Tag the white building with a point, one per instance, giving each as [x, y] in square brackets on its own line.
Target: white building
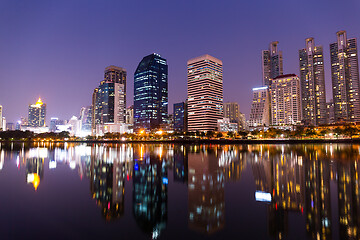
[260, 107]
[224, 125]
[285, 100]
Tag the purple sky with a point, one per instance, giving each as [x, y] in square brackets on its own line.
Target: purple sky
[58, 49]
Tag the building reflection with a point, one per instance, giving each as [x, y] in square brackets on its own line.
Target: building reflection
[348, 199]
[206, 199]
[107, 180]
[279, 180]
[34, 171]
[150, 189]
[318, 200]
[181, 164]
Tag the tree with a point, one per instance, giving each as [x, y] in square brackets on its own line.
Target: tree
[219, 135]
[209, 134]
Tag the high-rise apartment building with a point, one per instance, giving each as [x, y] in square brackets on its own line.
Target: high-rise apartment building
[260, 107]
[130, 115]
[285, 100]
[109, 99]
[37, 114]
[272, 63]
[205, 93]
[180, 116]
[345, 78]
[232, 112]
[312, 81]
[151, 92]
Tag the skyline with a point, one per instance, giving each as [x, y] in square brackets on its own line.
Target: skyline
[52, 45]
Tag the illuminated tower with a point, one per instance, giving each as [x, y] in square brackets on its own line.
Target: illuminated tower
[272, 63]
[37, 114]
[205, 93]
[312, 81]
[345, 78]
[151, 92]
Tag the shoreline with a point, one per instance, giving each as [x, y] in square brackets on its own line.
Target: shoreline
[199, 141]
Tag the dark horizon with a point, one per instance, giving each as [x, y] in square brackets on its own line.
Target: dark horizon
[59, 50]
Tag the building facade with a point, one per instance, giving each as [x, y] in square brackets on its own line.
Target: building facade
[272, 63]
[232, 112]
[205, 93]
[37, 114]
[260, 107]
[345, 78]
[109, 100]
[151, 92]
[285, 100]
[180, 117]
[312, 81]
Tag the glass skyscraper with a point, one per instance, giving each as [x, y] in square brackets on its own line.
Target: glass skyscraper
[151, 92]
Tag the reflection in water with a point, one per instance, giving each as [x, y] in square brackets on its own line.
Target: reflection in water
[206, 200]
[290, 180]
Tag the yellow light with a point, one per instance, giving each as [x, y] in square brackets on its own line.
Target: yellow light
[39, 103]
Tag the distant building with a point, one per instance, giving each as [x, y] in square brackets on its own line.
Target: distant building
[37, 114]
[130, 115]
[224, 125]
[85, 118]
[10, 126]
[312, 81]
[3, 121]
[272, 63]
[232, 112]
[151, 92]
[1, 125]
[180, 117]
[205, 93]
[285, 100]
[260, 107]
[345, 78]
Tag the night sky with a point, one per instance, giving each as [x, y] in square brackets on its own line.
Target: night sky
[58, 49]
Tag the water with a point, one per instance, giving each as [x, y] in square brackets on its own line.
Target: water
[167, 191]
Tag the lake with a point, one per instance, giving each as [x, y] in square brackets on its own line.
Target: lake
[174, 191]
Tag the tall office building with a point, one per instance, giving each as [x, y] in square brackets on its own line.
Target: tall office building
[151, 92]
[260, 107]
[1, 125]
[285, 100]
[205, 93]
[345, 78]
[312, 81]
[232, 112]
[180, 116]
[37, 114]
[109, 99]
[272, 63]
[116, 75]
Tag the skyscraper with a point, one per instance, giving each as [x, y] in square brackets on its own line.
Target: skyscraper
[116, 75]
[260, 107]
[272, 63]
[205, 93]
[151, 92]
[285, 100]
[345, 78]
[37, 114]
[109, 99]
[312, 81]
